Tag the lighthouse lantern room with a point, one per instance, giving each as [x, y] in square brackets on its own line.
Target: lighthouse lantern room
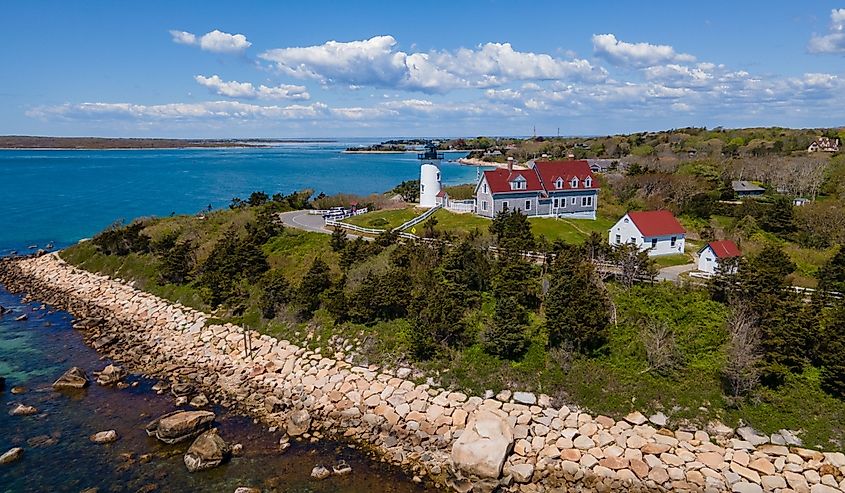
[430, 181]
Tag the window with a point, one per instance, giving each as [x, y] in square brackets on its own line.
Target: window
[504, 204]
[483, 205]
[574, 182]
[586, 201]
[527, 205]
[484, 188]
[555, 203]
[573, 200]
[422, 187]
[588, 182]
[654, 243]
[633, 240]
[626, 220]
[438, 176]
[559, 183]
[674, 239]
[618, 239]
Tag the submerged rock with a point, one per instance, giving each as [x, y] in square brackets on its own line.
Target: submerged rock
[320, 472]
[23, 410]
[298, 423]
[484, 445]
[207, 451]
[75, 378]
[111, 374]
[180, 425]
[104, 437]
[11, 455]
[18, 389]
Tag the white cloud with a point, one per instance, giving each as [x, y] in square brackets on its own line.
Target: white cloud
[503, 94]
[180, 111]
[636, 54]
[235, 89]
[834, 40]
[214, 41]
[377, 62]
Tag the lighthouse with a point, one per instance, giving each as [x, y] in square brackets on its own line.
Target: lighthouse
[430, 185]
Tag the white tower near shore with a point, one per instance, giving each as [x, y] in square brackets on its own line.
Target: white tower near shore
[430, 185]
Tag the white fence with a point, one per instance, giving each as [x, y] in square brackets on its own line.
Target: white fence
[422, 217]
[461, 206]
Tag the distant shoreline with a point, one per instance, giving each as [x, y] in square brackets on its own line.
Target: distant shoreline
[20, 142]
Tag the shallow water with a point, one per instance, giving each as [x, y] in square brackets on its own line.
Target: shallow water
[59, 456]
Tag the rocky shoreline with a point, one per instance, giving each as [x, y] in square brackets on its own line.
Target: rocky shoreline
[514, 441]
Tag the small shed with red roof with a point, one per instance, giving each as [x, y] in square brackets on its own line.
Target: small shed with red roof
[657, 232]
[715, 253]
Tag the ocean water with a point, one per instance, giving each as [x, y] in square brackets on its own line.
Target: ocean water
[61, 196]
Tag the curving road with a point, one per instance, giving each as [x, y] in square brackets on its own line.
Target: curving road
[303, 220]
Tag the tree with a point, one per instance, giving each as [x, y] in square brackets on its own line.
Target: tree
[265, 227]
[577, 307]
[832, 274]
[315, 281]
[176, 263]
[122, 240]
[633, 264]
[516, 277]
[275, 292]
[232, 259]
[409, 190]
[335, 300]
[506, 335]
[512, 231]
[741, 370]
[437, 321]
[381, 297]
[832, 357]
[257, 198]
[339, 239]
[467, 266]
[660, 348]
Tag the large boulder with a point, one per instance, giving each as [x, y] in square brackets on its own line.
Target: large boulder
[298, 422]
[11, 455]
[104, 437]
[207, 451]
[180, 425]
[484, 445]
[23, 410]
[75, 378]
[111, 375]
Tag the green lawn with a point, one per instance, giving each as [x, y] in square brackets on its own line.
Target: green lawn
[385, 218]
[672, 260]
[570, 230]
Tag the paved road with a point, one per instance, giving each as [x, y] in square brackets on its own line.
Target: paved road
[303, 220]
[672, 273]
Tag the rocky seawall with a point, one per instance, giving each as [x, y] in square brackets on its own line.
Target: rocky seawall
[515, 441]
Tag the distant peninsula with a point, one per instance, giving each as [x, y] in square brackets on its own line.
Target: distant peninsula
[37, 142]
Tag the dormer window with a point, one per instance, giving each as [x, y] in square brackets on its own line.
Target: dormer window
[518, 183]
[573, 182]
[559, 183]
[588, 182]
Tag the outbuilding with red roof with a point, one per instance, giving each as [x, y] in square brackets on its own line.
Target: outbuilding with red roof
[544, 188]
[715, 253]
[657, 232]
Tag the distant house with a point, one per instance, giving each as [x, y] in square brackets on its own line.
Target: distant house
[714, 253]
[546, 188]
[746, 189]
[824, 144]
[657, 232]
[800, 201]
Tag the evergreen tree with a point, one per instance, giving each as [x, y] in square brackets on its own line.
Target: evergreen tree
[437, 321]
[518, 278]
[339, 239]
[467, 266]
[381, 297]
[832, 356]
[832, 274]
[577, 307]
[265, 227]
[335, 300]
[231, 260]
[315, 281]
[275, 292]
[506, 335]
[512, 231]
[176, 263]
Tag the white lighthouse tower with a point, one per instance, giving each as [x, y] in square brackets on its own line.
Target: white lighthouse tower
[430, 185]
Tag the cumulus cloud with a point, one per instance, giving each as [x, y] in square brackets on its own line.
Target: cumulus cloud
[636, 54]
[377, 62]
[235, 89]
[834, 40]
[214, 41]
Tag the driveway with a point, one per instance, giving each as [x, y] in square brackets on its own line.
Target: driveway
[673, 273]
[310, 222]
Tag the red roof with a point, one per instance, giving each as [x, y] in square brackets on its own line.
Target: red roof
[441, 193]
[550, 171]
[499, 180]
[656, 223]
[725, 249]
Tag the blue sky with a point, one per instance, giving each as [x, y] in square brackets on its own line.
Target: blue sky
[321, 69]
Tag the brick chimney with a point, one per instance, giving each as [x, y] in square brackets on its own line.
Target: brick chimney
[510, 164]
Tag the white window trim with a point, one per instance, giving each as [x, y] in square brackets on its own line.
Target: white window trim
[528, 205]
[573, 201]
[559, 183]
[504, 204]
[485, 188]
[588, 182]
[573, 182]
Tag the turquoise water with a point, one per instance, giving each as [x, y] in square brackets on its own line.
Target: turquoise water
[61, 196]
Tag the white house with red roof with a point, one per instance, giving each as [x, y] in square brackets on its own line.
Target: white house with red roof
[714, 253]
[657, 232]
[546, 188]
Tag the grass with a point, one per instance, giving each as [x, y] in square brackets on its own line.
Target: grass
[672, 260]
[385, 218]
[570, 230]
